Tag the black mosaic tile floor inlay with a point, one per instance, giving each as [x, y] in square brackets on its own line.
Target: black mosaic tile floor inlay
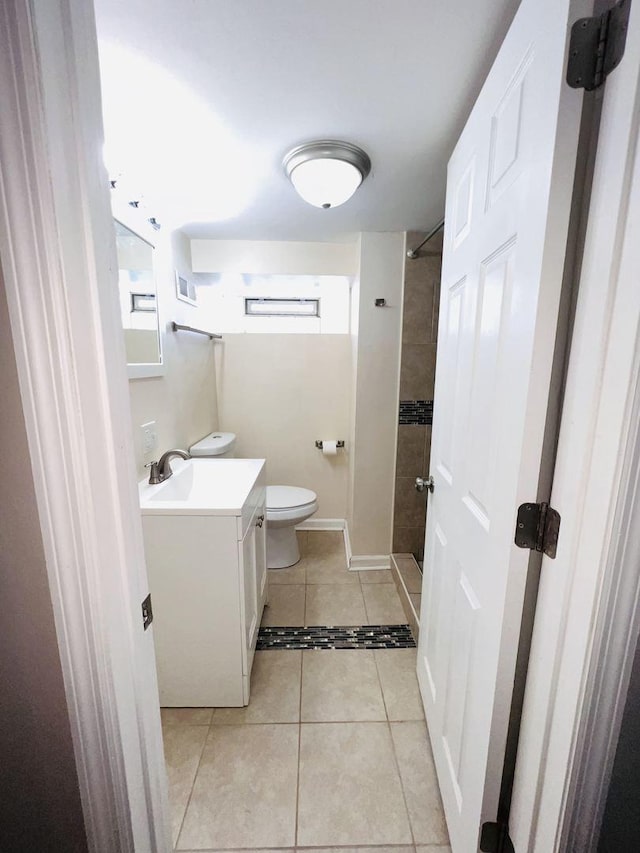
[350, 637]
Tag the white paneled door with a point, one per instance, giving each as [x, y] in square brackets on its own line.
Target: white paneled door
[509, 190]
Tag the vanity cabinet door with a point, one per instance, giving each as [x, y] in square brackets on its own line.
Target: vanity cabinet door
[253, 578]
[261, 560]
[249, 583]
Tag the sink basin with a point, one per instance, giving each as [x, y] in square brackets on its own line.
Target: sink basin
[201, 487]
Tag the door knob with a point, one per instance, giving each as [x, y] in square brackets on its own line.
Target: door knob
[422, 484]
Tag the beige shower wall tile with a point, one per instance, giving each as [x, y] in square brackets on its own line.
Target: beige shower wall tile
[422, 276]
[417, 371]
[410, 455]
[408, 540]
[410, 505]
[427, 449]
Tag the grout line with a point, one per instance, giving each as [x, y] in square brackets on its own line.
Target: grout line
[193, 783]
[304, 609]
[364, 604]
[316, 722]
[384, 699]
[295, 837]
[404, 795]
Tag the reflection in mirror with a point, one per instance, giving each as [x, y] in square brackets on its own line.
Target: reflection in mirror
[138, 298]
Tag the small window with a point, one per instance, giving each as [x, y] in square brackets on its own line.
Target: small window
[186, 290]
[143, 302]
[282, 307]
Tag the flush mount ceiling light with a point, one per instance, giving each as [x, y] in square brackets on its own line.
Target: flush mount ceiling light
[327, 173]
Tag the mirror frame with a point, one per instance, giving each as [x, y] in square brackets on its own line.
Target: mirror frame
[135, 220]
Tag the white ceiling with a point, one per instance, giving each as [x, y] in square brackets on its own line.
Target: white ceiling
[202, 99]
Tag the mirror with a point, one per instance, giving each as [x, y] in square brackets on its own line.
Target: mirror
[138, 303]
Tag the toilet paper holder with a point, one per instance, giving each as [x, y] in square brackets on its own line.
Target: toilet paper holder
[338, 444]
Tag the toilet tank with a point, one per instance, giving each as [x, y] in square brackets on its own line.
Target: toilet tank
[220, 444]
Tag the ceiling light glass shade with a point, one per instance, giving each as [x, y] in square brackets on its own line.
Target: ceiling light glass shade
[326, 174]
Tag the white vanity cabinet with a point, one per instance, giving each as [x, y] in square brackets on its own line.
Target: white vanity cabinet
[206, 560]
[252, 554]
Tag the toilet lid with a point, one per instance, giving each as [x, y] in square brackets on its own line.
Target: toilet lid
[288, 497]
[214, 444]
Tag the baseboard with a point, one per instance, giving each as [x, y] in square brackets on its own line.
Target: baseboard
[322, 524]
[347, 543]
[370, 562]
[356, 564]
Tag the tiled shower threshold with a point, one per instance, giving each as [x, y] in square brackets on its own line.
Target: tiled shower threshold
[408, 580]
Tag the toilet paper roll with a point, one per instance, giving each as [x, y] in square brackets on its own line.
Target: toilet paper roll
[329, 448]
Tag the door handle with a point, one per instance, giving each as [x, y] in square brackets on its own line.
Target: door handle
[260, 521]
[422, 484]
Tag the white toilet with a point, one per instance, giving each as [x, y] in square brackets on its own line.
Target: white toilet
[219, 444]
[287, 506]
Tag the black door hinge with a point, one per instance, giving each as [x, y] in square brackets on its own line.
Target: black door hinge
[537, 528]
[596, 46]
[147, 612]
[494, 838]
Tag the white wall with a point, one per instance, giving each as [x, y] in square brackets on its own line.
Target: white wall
[354, 319]
[40, 806]
[375, 409]
[183, 402]
[279, 393]
[274, 257]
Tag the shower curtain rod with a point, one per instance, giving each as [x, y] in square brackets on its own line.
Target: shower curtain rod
[413, 253]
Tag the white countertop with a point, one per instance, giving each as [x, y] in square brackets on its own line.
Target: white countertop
[202, 487]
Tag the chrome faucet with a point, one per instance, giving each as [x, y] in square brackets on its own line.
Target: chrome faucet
[161, 470]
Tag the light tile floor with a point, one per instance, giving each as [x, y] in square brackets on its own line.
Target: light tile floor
[332, 753]
[321, 591]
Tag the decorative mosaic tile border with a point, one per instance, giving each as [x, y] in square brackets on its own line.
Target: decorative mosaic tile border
[321, 637]
[416, 412]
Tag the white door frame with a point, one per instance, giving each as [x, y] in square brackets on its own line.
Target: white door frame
[595, 490]
[54, 215]
[58, 260]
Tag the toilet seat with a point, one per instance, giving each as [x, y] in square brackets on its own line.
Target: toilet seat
[287, 505]
[286, 498]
